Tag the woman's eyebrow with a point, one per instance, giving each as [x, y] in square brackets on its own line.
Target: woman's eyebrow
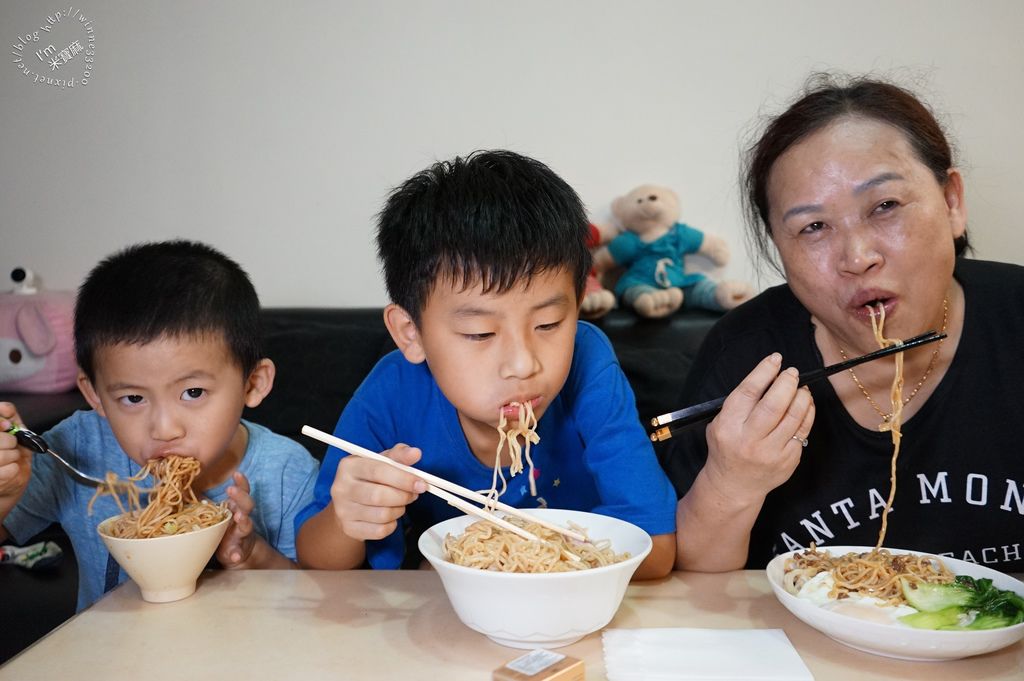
[881, 178]
[800, 210]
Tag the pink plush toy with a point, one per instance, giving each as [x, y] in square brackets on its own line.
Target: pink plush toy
[36, 338]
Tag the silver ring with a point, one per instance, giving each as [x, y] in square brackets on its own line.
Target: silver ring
[801, 440]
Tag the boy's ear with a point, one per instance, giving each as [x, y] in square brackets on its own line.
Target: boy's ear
[89, 393]
[260, 382]
[404, 332]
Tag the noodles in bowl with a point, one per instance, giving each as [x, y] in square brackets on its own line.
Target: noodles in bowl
[539, 610]
[165, 545]
[486, 546]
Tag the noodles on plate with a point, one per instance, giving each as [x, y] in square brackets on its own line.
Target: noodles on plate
[873, 573]
[486, 546]
[173, 507]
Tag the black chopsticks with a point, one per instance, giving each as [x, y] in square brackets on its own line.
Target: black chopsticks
[684, 418]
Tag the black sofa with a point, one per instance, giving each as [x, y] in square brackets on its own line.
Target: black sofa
[322, 355]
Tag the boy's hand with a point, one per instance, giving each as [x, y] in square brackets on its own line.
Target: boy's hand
[15, 461]
[369, 497]
[237, 545]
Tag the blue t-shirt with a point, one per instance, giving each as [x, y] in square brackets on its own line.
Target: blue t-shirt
[281, 475]
[656, 263]
[593, 454]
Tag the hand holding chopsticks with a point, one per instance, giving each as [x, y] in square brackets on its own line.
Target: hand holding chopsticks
[684, 418]
[447, 490]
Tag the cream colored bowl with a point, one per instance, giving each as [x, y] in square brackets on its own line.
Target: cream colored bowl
[539, 610]
[165, 568]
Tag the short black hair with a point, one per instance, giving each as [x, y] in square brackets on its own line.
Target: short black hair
[493, 217]
[167, 289]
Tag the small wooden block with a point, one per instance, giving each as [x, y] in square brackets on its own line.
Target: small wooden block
[541, 665]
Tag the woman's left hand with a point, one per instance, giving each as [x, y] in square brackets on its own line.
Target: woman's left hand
[755, 444]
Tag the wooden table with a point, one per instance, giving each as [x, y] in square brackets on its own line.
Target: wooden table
[398, 625]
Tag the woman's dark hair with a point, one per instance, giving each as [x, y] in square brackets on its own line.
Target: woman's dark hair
[167, 289]
[824, 100]
[493, 217]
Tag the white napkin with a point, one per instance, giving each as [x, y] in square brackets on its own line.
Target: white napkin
[707, 654]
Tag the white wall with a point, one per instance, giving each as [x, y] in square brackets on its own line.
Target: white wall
[274, 129]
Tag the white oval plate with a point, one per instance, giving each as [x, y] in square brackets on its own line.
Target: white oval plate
[896, 640]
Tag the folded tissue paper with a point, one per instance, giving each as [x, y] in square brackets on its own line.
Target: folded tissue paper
[664, 654]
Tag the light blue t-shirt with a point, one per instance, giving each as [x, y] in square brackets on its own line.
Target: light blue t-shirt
[593, 453]
[280, 471]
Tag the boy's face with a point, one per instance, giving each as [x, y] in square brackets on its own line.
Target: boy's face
[487, 350]
[177, 396]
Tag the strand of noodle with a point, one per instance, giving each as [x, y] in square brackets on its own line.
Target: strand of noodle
[113, 486]
[895, 419]
[493, 494]
[528, 429]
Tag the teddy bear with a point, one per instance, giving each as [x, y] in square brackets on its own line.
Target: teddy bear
[597, 300]
[651, 249]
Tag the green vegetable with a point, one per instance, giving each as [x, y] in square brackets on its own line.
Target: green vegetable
[966, 603]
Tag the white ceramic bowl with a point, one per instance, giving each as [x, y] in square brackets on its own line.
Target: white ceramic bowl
[539, 610]
[165, 568]
[897, 640]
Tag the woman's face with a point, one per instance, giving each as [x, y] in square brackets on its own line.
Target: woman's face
[858, 220]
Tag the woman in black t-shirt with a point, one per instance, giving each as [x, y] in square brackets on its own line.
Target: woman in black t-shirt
[854, 189]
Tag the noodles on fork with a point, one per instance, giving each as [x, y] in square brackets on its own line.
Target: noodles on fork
[173, 507]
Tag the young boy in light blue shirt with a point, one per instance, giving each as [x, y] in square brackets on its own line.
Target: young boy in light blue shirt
[167, 338]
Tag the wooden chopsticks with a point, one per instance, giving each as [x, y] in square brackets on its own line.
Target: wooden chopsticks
[684, 418]
[447, 490]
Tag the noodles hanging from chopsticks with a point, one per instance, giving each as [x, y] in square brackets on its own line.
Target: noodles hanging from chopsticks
[895, 420]
[525, 427]
[874, 573]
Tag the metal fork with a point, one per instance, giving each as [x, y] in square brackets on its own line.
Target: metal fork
[38, 445]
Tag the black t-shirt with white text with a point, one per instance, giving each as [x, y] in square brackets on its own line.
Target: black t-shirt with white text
[960, 472]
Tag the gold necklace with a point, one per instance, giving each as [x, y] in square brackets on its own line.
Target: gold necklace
[927, 371]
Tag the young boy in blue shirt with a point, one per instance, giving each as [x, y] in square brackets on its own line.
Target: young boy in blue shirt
[485, 261]
[167, 338]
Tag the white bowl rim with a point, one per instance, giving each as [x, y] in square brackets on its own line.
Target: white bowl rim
[881, 628]
[534, 576]
[103, 523]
